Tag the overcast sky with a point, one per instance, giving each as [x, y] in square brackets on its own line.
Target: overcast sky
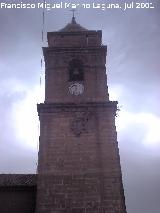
[133, 70]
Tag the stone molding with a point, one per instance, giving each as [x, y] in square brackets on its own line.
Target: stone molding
[72, 107]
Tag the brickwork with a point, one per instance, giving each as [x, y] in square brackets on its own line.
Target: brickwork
[84, 167]
[76, 39]
[79, 166]
[57, 74]
[91, 192]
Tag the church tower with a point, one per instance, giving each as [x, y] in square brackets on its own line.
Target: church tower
[79, 167]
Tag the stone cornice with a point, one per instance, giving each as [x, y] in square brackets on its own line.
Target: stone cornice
[74, 49]
[73, 107]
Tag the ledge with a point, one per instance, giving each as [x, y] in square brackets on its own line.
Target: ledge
[59, 107]
[78, 48]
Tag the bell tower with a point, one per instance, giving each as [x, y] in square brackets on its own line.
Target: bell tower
[79, 166]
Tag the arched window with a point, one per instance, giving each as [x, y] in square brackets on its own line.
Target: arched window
[76, 70]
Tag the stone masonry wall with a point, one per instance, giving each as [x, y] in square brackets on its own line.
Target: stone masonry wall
[57, 74]
[79, 168]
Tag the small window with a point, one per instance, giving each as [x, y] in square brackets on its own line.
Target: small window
[76, 70]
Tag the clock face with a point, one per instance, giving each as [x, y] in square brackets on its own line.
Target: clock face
[76, 88]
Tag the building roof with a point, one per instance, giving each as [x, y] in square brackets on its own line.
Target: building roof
[18, 180]
[73, 27]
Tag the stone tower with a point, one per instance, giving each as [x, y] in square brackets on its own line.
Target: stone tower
[79, 166]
